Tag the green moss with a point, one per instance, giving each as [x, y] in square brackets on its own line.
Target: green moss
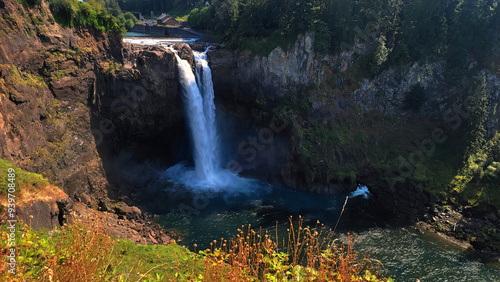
[59, 74]
[52, 157]
[33, 81]
[74, 55]
[111, 67]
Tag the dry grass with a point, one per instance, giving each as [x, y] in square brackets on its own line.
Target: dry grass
[47, 193]
[76, 253]
[305, 254]
[70, 254]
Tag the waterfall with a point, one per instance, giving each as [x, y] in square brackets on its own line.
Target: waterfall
[198, 97]
[204, 78]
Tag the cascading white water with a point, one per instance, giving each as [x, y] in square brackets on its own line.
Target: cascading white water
[198, 95]
[204, 78]
[200, 115]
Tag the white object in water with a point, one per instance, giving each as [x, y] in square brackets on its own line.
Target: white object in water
[361, 191]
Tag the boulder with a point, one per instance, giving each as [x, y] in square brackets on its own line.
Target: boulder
[184, 52]
[131, 212]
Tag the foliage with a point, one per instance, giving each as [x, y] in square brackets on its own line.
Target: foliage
[30, 3]
[397, 32]
[128, 19]
[305, 254]
[77, 253]
[25, 78]
[201, 17]
[72, 13]
[477, 181]
[70, 254]
[476, 152]
[110, 67]
[173, 7]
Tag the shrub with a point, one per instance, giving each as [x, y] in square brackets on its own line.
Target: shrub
[129, 24]
[77, 253]
[201, 17]
[71, 254]
[71, 13]
[30, 3]
[64, 11]
[305, 254]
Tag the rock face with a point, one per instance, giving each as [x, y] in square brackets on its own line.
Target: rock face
[280, 70]
[46, 74]
[70, 97]
[136, 229]
[349, 119]
[138, 101]
[493, 93]
[386, 93]
[46, 213]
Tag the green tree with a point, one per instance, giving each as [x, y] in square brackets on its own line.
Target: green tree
[476, 153]
[129, 24]
[64, 11]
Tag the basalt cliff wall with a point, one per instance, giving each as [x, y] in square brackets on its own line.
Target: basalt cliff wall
[345, 126]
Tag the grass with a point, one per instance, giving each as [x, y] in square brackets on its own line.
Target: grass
[70, 254]
[180, 14]
[77, 253]
[26, 187]
[152, 262]
[306, 254]
[26, 181]
[110, 67]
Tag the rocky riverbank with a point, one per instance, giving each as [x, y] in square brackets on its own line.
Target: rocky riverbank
[467, 227]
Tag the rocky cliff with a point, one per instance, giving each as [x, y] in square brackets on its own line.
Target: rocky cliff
[69, 97]
[46, 74]
[345, 125]
[66, 92]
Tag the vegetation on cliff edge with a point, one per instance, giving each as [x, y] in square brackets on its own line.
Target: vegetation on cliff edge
[22, 179]
[73, 13]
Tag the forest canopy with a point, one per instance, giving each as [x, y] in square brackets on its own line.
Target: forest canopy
[398, 31]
